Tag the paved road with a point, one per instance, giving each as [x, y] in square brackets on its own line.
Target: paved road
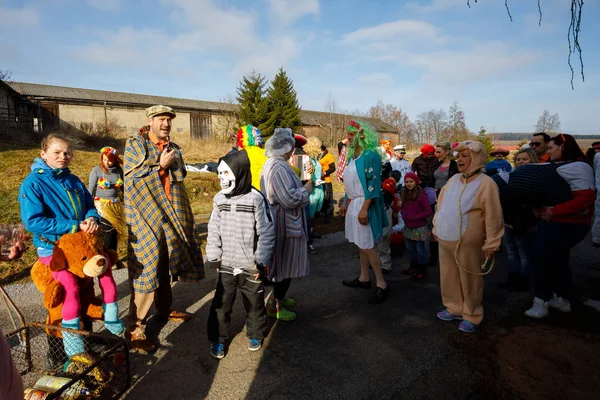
[340, 347]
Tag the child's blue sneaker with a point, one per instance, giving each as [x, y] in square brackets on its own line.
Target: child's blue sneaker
[217, 350]
[447, 316]
[255, 344]
[466, 326]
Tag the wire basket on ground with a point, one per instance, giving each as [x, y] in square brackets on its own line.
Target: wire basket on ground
[101, 372]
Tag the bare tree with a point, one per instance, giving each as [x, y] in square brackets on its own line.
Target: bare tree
[336, 121]
[430, 126]
[228, 121]
[549, 123]
[394, 116]
[456, 129]
[5, 74]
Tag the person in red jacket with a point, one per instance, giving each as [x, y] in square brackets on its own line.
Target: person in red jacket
[562, 227]
[415, 210]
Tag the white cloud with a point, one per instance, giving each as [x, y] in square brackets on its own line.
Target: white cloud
[376, 79]
[105, 5]
[436, 5]
[286, 12]
[462, 67]
[395, 30]
[19, 17]
[207, 27]
[129, 47]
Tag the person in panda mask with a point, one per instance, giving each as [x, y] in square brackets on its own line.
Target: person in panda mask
[240, 243]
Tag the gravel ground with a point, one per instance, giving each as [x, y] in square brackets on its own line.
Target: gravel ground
[340, 347]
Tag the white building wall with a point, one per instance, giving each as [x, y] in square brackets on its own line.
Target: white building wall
[121, 121]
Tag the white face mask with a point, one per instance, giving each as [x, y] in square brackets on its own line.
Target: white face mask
[226, 178]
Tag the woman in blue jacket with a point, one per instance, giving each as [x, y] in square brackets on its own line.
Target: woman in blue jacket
[365, 214]
[54, 201]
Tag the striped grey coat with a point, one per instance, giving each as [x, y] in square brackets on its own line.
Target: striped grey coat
[241, 231]
[288, 200]
[152, 219]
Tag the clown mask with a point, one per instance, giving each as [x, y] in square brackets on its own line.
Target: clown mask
[226, 177]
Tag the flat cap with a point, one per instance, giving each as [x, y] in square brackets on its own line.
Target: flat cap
[400, 147]
[156, 110]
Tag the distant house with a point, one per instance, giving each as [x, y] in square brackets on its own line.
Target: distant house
[40, 108]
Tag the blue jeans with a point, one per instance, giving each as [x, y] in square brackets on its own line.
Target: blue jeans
[554, 241]
[419, 251]
[519, 251]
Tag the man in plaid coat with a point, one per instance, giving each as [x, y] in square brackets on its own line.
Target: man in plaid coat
[162, 241]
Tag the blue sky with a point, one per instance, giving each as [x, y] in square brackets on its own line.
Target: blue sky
[418, 55]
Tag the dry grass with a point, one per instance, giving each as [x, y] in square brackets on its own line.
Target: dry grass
[202, 150]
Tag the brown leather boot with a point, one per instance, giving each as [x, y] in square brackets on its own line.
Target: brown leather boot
[139, 342]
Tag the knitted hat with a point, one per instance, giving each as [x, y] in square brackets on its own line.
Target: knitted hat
[389, 185]
[427, 148]
[413, 176]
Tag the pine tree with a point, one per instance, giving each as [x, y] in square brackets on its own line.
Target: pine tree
[252, 100]
[487, 141]
[282, 106]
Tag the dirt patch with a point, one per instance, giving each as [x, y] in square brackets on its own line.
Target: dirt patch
[542, 362]
[332, 225]
[556, 358]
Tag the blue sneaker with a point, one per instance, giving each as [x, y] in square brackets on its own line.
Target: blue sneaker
[447, 316]
[255, 344]
[217, 350]
[466, 326]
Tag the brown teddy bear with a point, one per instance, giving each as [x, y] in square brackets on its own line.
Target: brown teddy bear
[67, 283]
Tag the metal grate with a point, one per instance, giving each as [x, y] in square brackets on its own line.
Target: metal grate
[102, 372]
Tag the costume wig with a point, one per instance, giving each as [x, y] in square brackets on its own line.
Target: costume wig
[313, 147]
[249, 138]
[113, 156]
[365, 139]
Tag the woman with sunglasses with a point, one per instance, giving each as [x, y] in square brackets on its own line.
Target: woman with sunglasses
[562, 227]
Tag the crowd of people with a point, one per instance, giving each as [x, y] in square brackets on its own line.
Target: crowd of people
[459, 209]
[449, 206]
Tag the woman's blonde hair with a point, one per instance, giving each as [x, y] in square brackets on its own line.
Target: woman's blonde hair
[447, 147]
[530, 152]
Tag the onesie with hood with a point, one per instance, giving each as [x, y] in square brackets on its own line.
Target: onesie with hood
[469, 217]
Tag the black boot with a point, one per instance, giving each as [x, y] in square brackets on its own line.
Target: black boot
[513, 281]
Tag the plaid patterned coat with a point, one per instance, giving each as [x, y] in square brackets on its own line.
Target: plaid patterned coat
[152, 218]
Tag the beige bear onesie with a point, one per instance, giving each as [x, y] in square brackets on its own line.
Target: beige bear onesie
[482, 229]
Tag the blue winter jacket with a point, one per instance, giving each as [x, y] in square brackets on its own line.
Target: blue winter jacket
[53, 202]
